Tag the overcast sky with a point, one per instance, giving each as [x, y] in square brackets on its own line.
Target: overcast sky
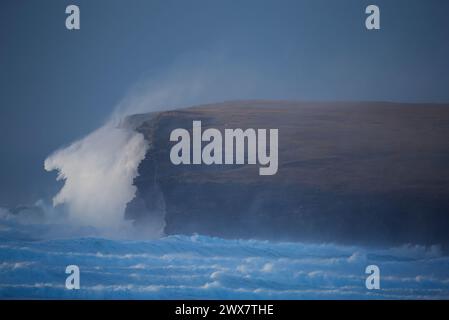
[57, 85]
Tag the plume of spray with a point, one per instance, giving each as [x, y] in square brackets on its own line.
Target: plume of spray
[98, 171]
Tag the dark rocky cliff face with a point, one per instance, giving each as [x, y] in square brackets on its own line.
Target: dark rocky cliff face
[359, 173]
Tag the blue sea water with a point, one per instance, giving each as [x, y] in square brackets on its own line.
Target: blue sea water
[200, 267]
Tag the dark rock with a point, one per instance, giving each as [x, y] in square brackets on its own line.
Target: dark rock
[365, 173]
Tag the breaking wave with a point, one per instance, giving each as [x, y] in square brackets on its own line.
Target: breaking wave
[98, 173]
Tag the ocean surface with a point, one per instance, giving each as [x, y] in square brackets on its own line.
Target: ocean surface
[200, 267]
